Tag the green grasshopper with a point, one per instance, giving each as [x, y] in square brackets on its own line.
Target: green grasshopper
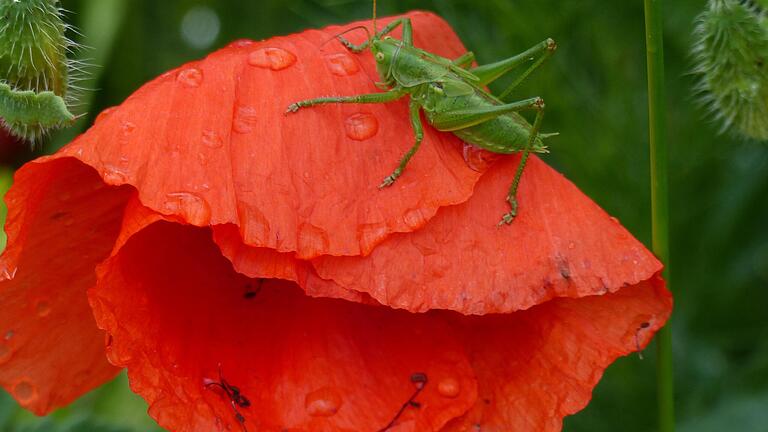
[452, 96]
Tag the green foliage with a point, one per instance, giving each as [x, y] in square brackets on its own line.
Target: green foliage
[731, 54]
[595, 88]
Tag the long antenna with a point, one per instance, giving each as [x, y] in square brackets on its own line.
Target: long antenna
[375, 30]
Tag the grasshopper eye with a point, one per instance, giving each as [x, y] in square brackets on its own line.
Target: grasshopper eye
[379, 56]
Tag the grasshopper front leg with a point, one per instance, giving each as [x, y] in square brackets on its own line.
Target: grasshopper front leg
[384, 97]
[418, 131]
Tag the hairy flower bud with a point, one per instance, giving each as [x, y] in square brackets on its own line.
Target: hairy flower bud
[731, 52]
[34, 69]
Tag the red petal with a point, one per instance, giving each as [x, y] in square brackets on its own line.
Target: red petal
[62, 221]
[537, 366]
[176, 310]
[561, 244]
[210, 142]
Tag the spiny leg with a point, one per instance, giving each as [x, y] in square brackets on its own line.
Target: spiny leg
[360, 99]
[490, 72]
[512, 195]
[468, 117]
[407, 35]
[418, 132]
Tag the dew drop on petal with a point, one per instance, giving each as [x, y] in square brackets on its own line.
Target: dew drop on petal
[202, 159]
[324, 402]
[9, 335]
[240, 43]
[104, 114]
[191, 77]
[414, 218]
[118, 357]
[42, 308]
[114, 175]
[369, 235]
[271, 58]
[211, 139]
[313, 240]
[7, 274]
[192, 207]
[245, 120]
[342, 64]
[24, 391]
[255, 224]
[478, 159]
[127, 128]
[5, 353]
[361, 126]
[449, 387]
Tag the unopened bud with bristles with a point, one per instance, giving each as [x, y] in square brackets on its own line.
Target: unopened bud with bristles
[731, 55]
[34, 70]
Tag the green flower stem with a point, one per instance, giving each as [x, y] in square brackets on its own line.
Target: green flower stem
[659, 199]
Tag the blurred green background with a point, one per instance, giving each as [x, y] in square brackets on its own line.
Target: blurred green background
[595, 90]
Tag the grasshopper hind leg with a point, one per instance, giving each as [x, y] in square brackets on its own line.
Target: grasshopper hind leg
[512, 195]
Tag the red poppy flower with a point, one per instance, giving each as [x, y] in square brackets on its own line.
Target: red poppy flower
[249, 274]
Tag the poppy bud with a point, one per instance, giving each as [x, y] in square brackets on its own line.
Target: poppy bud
[730, 54]
[36, 72]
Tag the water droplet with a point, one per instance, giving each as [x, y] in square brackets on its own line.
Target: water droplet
[5, 353]
[202, 159]
[369, 235]
[313, 241]
[104, 114]
[126, 128]
[246, 118]
[211, 139]
[191, 77]
[342, 64]
[25, 392]
[478, 159]
[114, 175]
[414, 218]
[117, 357]
[8, 274]
[449, 387]
[615, 220]
[361, 126]
[42, 308]
[271, 58]
[255, 224]
[9, 335]
[240, 43]
[324, 402]
[192, 207]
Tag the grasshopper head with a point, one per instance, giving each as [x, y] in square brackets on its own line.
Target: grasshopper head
[385, 51]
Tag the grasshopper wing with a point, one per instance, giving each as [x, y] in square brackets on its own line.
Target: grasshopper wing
[454, 87]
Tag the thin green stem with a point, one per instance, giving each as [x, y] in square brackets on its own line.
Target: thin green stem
[659, 199]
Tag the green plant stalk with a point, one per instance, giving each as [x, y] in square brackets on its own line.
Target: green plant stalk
[659, 199]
